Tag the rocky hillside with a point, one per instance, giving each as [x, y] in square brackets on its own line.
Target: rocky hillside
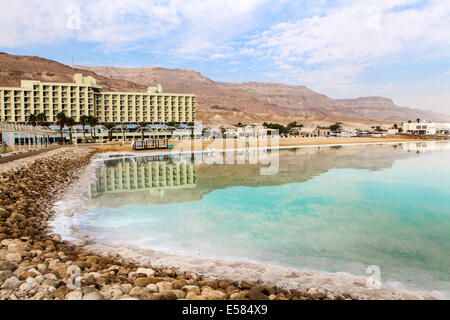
[15, 68]
[259, 98]
[219, 102]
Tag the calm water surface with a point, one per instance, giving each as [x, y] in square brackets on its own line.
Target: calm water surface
[328, 209]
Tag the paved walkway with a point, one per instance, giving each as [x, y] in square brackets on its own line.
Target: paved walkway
[18, 156]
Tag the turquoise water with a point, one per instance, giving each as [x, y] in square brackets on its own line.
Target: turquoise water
[328, 209]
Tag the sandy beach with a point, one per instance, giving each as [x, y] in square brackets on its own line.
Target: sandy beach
[222, 144]
[36, 263]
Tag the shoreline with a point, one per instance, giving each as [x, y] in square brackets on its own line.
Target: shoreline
[35, 264]
[146, 153]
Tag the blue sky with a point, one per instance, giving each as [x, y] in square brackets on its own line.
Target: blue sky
[343, 48]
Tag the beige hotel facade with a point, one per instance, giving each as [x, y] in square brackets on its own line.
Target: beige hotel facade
[85, 97]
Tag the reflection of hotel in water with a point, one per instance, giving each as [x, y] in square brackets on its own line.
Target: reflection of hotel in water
[426, 146]
[126, 176]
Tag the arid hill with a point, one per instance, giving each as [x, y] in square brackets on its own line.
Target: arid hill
[15, 68]
[259, 98]
[219, 102]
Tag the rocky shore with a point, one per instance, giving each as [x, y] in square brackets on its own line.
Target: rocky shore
[34, 264]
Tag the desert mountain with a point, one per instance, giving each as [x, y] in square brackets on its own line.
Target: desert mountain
[14, 68]
[219, 102]
[260, 98]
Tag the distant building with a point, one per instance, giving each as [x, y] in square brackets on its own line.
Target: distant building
[347, 133]
[85, 97]
[426, 128]
[392, 132]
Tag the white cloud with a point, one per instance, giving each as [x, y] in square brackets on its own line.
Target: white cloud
[24, 22]
[184, 26]
[359, 31]
[331, 51]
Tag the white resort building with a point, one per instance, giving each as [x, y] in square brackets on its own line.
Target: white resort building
[426, 128]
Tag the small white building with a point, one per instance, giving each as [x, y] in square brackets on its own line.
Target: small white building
[419, 128]
[392, 132]
[427, 128]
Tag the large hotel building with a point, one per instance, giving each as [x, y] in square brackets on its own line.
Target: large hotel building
[84, 96]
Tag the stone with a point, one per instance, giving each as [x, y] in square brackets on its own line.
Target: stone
[5, 274]
[126, 287]
[128, 298]
[51, 276]
[14, 257]
[3, 213]
[179, 293]
[42, 268]
[166, 296]
[25, 275]
[192, 288]
[11, 283]
[27, 289]
[178, 283]
[256, 293]
[224, 284]
[152, 288]
[148, 272]
[192, 276]
[95, 295]
[211, 283]
[316, 294]
[239, 295]
[143, 282]
[191, 296]
[61, 270]
[6, 242]
[32, 281]
[61, 292]
[114, 268]
[164, 286]
[138, 291]
[211, 294]
[114, 294]
[18, 247]
[94, 275]
[53, 264]
[8, 265]
[40, 278]
[35, 271]
[231, 290]
[88, 289]
[74, 295]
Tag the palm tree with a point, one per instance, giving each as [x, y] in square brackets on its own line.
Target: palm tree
[109, 126]
[32, 119]
[93, 121]
[42, 121]
[61, 121]
[37, 119]
[84, 120]
[70, 122]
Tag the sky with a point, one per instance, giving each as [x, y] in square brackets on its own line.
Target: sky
[342, 48]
